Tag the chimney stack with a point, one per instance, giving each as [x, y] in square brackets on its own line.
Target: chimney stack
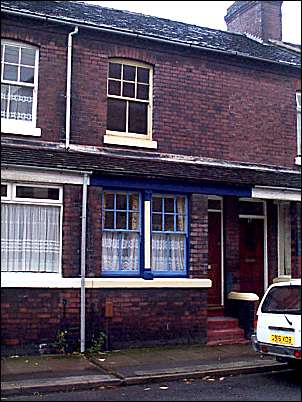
[262, 19]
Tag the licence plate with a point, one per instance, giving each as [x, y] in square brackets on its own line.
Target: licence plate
[282, 339]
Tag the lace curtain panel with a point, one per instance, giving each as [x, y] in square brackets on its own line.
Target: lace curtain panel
[168, 252]
[120, 251]
[30, 238]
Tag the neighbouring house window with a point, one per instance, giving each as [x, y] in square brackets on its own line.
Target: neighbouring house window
[298, 104]
[19, 83]
[129, 99]
[169, 234]
[121, 233]
[284, 239]
[30, 228]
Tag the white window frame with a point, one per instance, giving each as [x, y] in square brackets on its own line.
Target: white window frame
[128, 138]
[12, 199]
[298, 106]
[285, 206]
[12, 126]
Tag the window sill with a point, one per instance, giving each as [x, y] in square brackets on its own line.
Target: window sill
[14, 127]
[298, 160]
[129, 141]
[124, 283]
[37, 280]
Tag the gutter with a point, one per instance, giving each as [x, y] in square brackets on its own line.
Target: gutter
[68, 87]
[141, 36]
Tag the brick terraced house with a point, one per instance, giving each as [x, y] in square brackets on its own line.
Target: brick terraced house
[150, 173]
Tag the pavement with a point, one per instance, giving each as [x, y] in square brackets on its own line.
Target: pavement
[26, 375]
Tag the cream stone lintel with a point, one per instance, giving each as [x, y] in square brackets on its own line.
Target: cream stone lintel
[243, 296]
[142, 283]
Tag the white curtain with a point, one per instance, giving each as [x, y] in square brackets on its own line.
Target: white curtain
[30, 238]
[168, 252]
[120, 251]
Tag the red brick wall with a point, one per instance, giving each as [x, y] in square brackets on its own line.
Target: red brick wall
[198, 236]
[204, 105]
[72, 229]
[140, 317]
[272, 240]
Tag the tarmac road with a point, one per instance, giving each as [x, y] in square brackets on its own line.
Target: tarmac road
[273, 386]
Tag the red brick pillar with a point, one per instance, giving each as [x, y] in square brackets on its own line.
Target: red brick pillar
[272, 240]
[94, 232]
[231, 243]
[72, 209]
[198, 236]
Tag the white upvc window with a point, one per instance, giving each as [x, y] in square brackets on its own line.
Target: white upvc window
[284, 239]
[298, 105]
[31, 228]
[19, 87]
[129, 103]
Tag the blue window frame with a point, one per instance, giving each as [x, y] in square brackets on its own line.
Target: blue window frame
[121, 233]
[169, 235]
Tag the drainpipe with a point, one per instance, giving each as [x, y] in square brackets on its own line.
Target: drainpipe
[68, 87]
[83, 259]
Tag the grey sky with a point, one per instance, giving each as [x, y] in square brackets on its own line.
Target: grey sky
[207, 13]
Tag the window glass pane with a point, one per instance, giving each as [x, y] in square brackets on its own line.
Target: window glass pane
[3, 190]
[250, 208]
[109, 220]
[133, 221]
[11, 54]
[115, 70]
[142, 92]
[37, 192]
[180, 223]
[214, 204]
[114, 87]
[10, 72]
[121, 201]
[129, 73]
[138, 118]
[143, 75]
[128, 90]
[121, 220]
[27, 74]
[116, 119]
[169, 204]
[4, 100]
[283, 300]
[169, 223]
[28, 56]
[109, 200]
[134, 202]
[180, 205]
[157, 222]
[156, 204]
[30, 238]
[20, 103]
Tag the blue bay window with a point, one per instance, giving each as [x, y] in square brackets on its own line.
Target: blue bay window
[138, 236]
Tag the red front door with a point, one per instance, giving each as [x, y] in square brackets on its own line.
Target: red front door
[252, 255]
[214, 257]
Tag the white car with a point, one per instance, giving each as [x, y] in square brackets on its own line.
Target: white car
[278, 331]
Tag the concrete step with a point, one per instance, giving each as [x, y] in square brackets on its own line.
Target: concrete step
[216, 323]
[228, 342]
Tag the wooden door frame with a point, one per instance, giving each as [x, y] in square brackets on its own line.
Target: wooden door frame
[217, 198]
[265, 251]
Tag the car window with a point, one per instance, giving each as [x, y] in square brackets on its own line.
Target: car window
[283, 299]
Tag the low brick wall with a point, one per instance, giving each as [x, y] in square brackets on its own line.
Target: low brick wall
[141, 317]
